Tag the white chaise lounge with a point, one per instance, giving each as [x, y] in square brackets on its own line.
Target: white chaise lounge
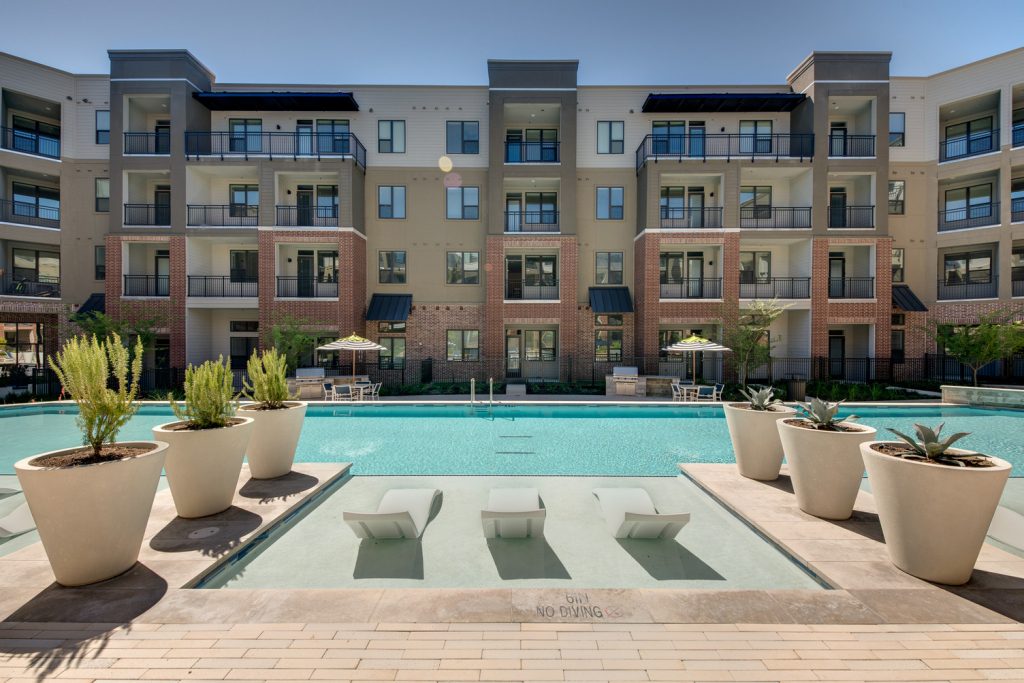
[16, 522]
[630, 513]
[513, 513]
[402, 513]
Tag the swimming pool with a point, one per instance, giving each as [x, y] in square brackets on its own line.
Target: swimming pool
[543, 439]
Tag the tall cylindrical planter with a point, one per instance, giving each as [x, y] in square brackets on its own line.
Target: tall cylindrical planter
[934, 517]
[755, 439]
[92, 518]
[826, 466]
[275, 437]
[203, 465]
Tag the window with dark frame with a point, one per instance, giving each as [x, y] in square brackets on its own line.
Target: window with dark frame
[897, 129]
[245, 325]
[100, 262]
[897, 197]
[608, 320]
[245, 200]
[897, 264]
[462, 203]
[1017, 264]
[391, 137]
[102, 195]
[608, 345]
[967, 268]
[540, 345]
[391, 267]
[241, 350]
[102, 126]
[896, 345]
[610, 203]
[244, 265]
[463, 345]
[391, 201]
[462, 268]
[392, 357]
[898, 319]
[756, 202]
[611, 137]
[608, 268]
[462, 137]
[35, 265]
[385, 326]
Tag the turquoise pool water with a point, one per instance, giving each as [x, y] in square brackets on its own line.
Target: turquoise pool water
[600, 439]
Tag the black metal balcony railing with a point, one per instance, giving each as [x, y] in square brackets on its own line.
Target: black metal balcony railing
[29, 214]
[307, 216]
[776, 288]
[531, 221]
[775, 216]
[851, 288]
[851, 145]
[292, 287]
[147, 214]
[231, 215]
[41, 286]
[1018, 135]
[1018, 287]
[147, 285]
[147, 143]
[222, 285]
[851, 216]
[963, 146]
[1017, 210]
[975, 216]
[695, 218]
[517, 290]
[949, 289]
[692, 288]
[277, 144]
[29, 143]
[532, 152]
[725, 146]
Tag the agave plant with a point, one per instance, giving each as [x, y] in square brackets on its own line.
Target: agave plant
[930, 447]
[760, 399]
[823, 414]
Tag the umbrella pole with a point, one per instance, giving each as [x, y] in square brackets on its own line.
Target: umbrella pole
[353, 366]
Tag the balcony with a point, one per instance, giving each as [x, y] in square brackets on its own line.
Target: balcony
[293, 287]
[776, 288]
[685, 218]
[224, 144]
[1017, 210]
[516, 290]
[963, 146]
[147, 214]
[222, 286]
[147, 285]
[976, 216]
[851, 288]
[28, 142]
[24, 213]
[851, 216]
[307, 216]
[725, 146]
[539, 152]
[41, 286]
[768, 217]
[150, 144]
[952, 291]
[693, 288]
[531, 221]
[226, 215]
[840, 146]
[1018, 135]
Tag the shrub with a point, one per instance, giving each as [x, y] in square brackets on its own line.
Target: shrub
[210, 399]
[269, 376]
[84, 367]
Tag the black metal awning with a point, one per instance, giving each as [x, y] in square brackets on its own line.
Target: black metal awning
[904, 299]
[277, 101]
[96, 303]
[721, 102]
[610, 300]
[389, 307]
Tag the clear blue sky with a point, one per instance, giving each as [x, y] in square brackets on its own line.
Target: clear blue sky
[448, 41]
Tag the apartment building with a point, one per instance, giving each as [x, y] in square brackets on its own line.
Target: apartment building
[532, 227]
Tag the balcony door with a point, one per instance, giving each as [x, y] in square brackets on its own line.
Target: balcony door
[162, 205]
[836, 275]
[304, 137]
[513, 213]
[695, 204]
[836, 353]
[162, 137]
[304, 270]
[513, 277]
[304, 205]
[837, 207]
[162, 268]
[837, 139]
[513, 354]
[514, 146]
[695, 273]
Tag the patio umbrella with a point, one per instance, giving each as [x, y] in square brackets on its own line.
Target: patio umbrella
[352, 343]
[693, 343]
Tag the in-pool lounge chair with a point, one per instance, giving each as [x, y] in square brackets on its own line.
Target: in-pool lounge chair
[402, 513]
[513, 513]
[16, 522]
[630, 513]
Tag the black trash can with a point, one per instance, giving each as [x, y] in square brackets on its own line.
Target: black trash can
[796, 388]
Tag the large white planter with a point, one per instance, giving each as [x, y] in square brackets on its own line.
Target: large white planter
[755, 439]
[92, 518]
[934, 517]
[203, 465]
[826, 467]
[275, 436]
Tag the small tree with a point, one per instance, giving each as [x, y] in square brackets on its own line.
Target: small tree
[210, 399]
[750, 340]
[101, 325]
[84, 367]
[268, 373]
[994, 337]
[291, 338]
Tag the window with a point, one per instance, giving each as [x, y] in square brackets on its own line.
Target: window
[100, 262]
[608, 320]
[463, 137]
[391, 201]
[755, 202]
[608, 345]
[539, 344]
[245, 265]
[23, 343]
[385, 326]
[332, 136]
[755, 267]
[609, 268]
[245, 201]
[610, 137]
[897, 264]
[102, 126]
[391, 267]
[102, 195]
[964, 203]
[897, 193]
[898, 319]
[540, 271]
[391, 137]
[245, 135]
[463, 345]
[241, 351]
[463, 268]
[968, 268]
[531, 145]
[755, 137]
[34, 137]
[463, 203]
[36, 266]
[609, 203]
[245, 325]
[326, 201]
[896, 345]
[1017, 264]
[35, 202]
[897, 129]
[392, 357]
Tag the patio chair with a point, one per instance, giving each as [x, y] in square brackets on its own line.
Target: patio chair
[402, 513]
[630, 513]
[375, 391]
[677, 391]
[343, 392]
[16, 522]
[513, 513]
[705, 393]
[329, 392]
[719, 388]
